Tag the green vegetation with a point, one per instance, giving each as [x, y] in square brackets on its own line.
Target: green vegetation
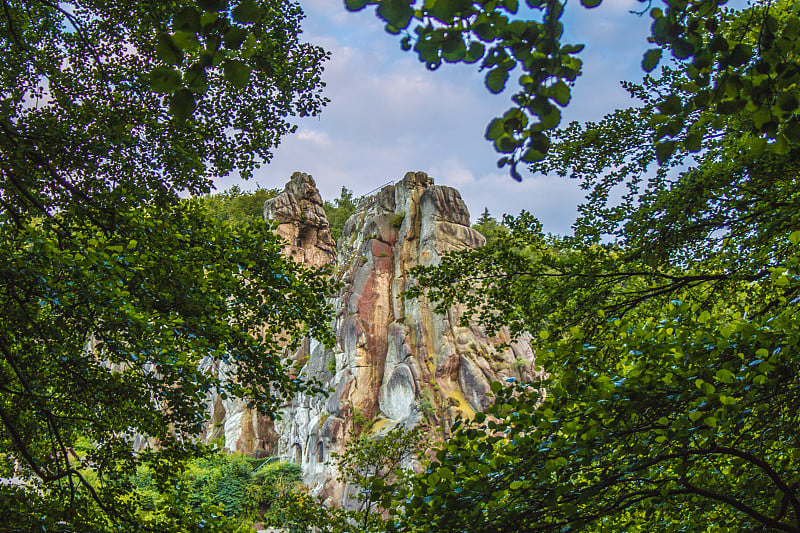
[731, 64]
[489, 227]
[224, 483]
[339, 211]
[397, 220]
[362, 424]
[375, 469]
[668, 326]
[114, 290]
[235, 206]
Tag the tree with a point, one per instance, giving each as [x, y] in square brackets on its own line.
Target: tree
[339, 211]
[236, 206]
[488, 226]
[116, 295]
[667, 325]
[745, 63]
[374, 469]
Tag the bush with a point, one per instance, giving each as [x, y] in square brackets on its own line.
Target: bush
[397, 220]
[227, 481]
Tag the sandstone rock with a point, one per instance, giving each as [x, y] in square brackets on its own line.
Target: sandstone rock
[302, 221]
[396, 361]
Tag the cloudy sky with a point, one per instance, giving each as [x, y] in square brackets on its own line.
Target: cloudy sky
[388, 114]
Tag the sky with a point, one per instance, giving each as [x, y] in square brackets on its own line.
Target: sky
[389, 115]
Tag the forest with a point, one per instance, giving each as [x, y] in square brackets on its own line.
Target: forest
[666, 324]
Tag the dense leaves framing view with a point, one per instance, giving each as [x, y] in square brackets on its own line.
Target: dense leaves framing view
[665, 327]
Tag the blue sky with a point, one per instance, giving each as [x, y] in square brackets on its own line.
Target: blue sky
[388, 114]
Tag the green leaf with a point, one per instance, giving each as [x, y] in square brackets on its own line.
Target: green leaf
[692, 142]
[670, 105]
[682, 48]
[356, 5]
[212, 5]
[590, 3]
[511, 5]
[725, 376]
[718, 44]
[237, 72]
[761, 116]
[167, 51]
[495, 129]
[664, 151]
[532, 155]
[247, 12]
[506, 144]
[453, 48]
[560, 92]
[787, 100]
[234, 37]
[474, 52]
[446, 10]
[551, 119]
[165, 79]
[740, 54]
[187, 19]
[396, 13]
[539, 142]
[791, 28]
[485, 31]
[182, 104]
[651, 59]
[496, 80]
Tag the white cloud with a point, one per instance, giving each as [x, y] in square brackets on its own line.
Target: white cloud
[319, 138]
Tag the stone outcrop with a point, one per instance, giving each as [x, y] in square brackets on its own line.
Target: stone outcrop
[396, 362]
[302, 221]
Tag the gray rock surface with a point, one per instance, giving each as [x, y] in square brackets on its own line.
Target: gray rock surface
[396, 361]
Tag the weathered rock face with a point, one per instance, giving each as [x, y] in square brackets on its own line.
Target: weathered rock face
[302, 221]
[396, 361]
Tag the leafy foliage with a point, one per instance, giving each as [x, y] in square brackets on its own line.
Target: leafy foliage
[339, 211]
[118, 298]
[235, 206]
[734, 61]
[668, 329]
[374, 468]
[225, 484]
[489, 227]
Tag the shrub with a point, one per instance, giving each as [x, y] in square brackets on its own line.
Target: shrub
[397, 220]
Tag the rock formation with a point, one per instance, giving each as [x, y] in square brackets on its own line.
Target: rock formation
[302, 221]
[396, 361]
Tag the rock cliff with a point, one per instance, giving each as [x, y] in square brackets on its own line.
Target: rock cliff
[396, 361]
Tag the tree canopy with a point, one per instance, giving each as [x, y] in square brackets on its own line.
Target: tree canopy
[339, 211]
[123, 306]
[235, 206]
[667, 325]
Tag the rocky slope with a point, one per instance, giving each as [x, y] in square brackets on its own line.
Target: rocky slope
[396, 361]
